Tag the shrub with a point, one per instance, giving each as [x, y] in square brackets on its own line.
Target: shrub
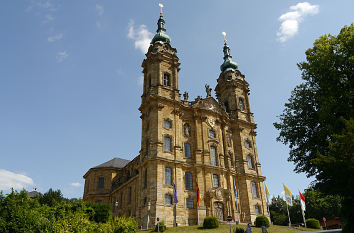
[101, 212]
[313, 223]
[162, 227]
[262, 221]
[125, 225]
[210, 222]
[239, 230]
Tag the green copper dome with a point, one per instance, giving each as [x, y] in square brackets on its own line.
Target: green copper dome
[229, 64]
[161, 32]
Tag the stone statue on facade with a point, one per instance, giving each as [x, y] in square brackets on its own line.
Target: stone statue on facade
[208, 90]
[185, 96]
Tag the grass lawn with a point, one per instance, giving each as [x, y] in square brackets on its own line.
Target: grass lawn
[226, 229]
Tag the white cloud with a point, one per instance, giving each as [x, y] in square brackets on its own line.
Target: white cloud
[141, 36]
[291, 20]
[55, 37]
[99, 9]
[10, 180]
[141, 81]
[76, 184]
[61, 56]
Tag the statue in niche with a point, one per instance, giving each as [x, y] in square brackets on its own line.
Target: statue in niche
[208, 90]
[228, 141]
[187, 130]
[242, 104]
[185, 96]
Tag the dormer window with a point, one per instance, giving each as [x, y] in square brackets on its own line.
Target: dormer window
[166, 80]
[211, 133]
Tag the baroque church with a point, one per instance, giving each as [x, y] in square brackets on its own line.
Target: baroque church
[198, 157]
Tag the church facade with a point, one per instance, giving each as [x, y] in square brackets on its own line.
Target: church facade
[202, 150]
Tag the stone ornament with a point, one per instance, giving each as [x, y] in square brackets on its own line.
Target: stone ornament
[187, 130]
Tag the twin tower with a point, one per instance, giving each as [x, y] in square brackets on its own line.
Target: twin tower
[198, 158]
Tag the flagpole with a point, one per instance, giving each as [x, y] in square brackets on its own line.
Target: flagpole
[198, 213]
[288, 214]
[303, 216]
[268, 209]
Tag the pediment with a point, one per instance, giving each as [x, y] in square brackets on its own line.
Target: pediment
[209, 103]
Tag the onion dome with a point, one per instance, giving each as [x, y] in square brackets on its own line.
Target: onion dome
[229, 64]
[161, 32]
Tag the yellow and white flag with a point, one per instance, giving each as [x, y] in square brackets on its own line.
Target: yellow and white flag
[288, 196]
[267, 192]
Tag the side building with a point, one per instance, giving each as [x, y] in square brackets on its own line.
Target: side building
[204, 144]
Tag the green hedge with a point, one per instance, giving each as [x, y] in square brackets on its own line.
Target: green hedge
[239, 230]
[262, 221]
[210, 222]
[313, 223]
[162, 227]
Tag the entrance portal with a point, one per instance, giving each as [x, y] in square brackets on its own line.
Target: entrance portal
[219, 210]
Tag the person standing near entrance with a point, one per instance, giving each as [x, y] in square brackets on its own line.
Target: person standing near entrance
[248, 228]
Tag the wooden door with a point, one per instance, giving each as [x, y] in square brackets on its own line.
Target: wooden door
[219, 211]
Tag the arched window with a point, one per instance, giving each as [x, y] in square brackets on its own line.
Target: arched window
[257, 209]
[147, 146]
[250, 161]
[241, 104]
[254, 190]
[166, 79]
[145, 179]
[213, 158]
[167, 124]
[247, 144]
[226, 103]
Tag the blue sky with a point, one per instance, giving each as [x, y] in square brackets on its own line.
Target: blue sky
[70, 77]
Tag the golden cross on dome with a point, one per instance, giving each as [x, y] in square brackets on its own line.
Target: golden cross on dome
[224, 34]
[161, 6]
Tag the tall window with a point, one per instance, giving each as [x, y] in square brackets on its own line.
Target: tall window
[100, 183]
[190, 203]
[254, 190]
[248, 143]
[146, 178]
[189, 181]
[168, 176]
[257, 209]
[168, 199]
[147, 146]
[187, 150]
[226, 104]
[250, 161]
[215, 181]
[213, 157]
[167, 144]
[166, 80]
[130, 195]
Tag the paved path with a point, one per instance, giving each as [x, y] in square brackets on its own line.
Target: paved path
[326, 231]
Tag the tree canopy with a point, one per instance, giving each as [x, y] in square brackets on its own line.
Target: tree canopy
[317, 122]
